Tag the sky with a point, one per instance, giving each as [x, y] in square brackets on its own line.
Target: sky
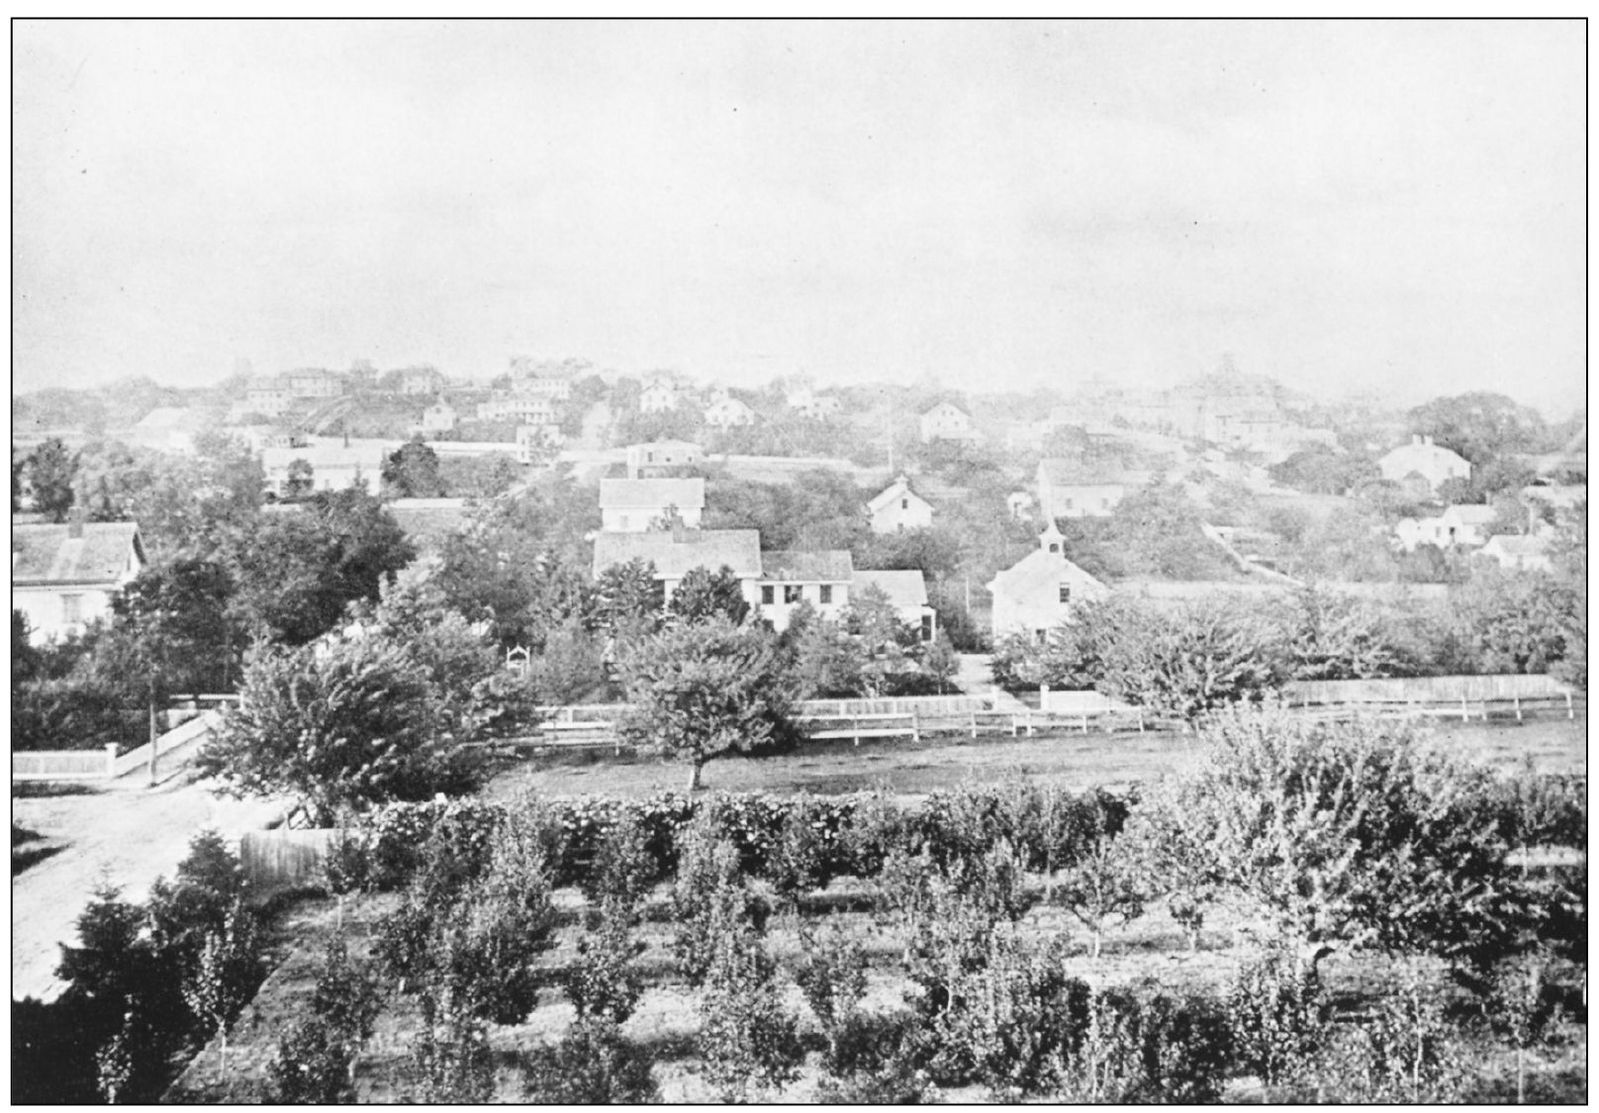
[1396, 208]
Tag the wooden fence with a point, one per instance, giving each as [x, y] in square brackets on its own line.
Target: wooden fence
[282, 858]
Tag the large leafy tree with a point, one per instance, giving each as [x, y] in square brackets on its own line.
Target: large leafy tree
[627, 599]
[339, 726]
[412, 471]
[51, 469]
[1482, 426]
[296, 571]
[1346, 834]
[702, 690]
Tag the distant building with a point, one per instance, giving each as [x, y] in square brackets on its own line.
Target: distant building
[675, 553]
[946, 421]
[1038, 592]
[64, 576]
[421, 380]
[897, 508]
[270, 398]
[1067, 489]
[658, 396]
[551, 382]
[440, 417]
[657, 457]
[167, 428]
[1433, 464]
[1518, 553]
[315, 383]
[334, 467]
[725, 412]
[907, 594]
[634, 505]
[1457, 525]
[523, 409]
[790, 577]
[1020, 504]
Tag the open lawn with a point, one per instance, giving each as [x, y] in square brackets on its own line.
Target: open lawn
[902, 767]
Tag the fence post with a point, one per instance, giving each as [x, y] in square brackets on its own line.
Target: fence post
[855, 725]
[916, 726]
[1043, 697]
[110, 759]
[1570, 713]
[1084, 719]
[1465, 715]
[974, 724]
[1517, 700]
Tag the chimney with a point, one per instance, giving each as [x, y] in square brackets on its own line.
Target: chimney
[1415, 438]
[1427, 439]
[75, 522]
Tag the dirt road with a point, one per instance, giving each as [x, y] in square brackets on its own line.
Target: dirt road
[128, 834]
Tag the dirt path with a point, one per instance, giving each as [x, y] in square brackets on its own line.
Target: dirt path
[126, 833]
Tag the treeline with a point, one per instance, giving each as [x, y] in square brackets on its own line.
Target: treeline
[1201, 655]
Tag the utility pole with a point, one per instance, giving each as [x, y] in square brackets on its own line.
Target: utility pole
[154, 734]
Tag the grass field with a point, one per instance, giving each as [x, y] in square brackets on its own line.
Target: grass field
[906, 768]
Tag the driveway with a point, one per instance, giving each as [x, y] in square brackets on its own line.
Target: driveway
[125, 833]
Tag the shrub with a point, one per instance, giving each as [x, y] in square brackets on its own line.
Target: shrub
[453, 1065]
[623, 868]
[878, 1060]
[1278, 1020]
[1106, 878]
[603, 984]
[747, 1041]
[832, 975]
[709, 901]
[312, 1066]
[592, 1065]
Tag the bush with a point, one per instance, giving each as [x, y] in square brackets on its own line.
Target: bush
[604, 984]
[747, 1041]
[592, 1065]
[1278, 1020]
[710, 901]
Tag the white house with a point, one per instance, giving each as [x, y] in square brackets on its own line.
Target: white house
[1039, 591]
[1067, 490]
[789, 577]
[1433, 463]
[551, 381]
[907, 594]
[1457, 525]
[676, 552]
[167, 428]
[726, 411]
[658, 396]
[946, 421]
[269, 399]
[897, 508]
[440, 417]
[525, 409]
[1519, 553]
[633, 505]
[64, 576]
[653, 456]
[315, 383]
[334, 466]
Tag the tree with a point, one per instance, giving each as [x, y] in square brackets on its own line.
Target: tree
[51, 469]
[1481, 426]
[1210, 654]
[412, 472]
[703, 690]
[702, 595]
[299, 480]
[1336, 637]
[225, 976]
[357, 723]
[1347, 834]
[628, 598]
[940, 661]
[296, 572]
[1104, 880]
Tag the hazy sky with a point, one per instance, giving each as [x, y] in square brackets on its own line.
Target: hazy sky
[1396, 207]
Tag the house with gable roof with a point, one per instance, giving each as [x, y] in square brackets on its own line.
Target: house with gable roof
[633, 505]
[656, 457]
[675, 553]
[1431, 464]
[658, 395]
[907, 594]
[1039, 591]
[1067, 489]
[946, 421]
[725, 412]
[792, 576]
[64, 576]
[897, 508]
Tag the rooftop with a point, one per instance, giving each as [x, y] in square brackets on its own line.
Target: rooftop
[624, 494]
[48, 554]
[791, 565]
[675, 553]
[904, 587]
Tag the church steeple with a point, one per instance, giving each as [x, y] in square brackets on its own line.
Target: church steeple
[1052, 540]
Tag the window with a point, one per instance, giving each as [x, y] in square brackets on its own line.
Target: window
[1104, 503]
[927, 627]
[1069, 504]
[72, 608]
[791, 593]
[649, 457]
[900, 528]
[904, 504]
[1065, 593]
[1041, 635]
[826, 593]
[1054, 547]
[768, 594]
